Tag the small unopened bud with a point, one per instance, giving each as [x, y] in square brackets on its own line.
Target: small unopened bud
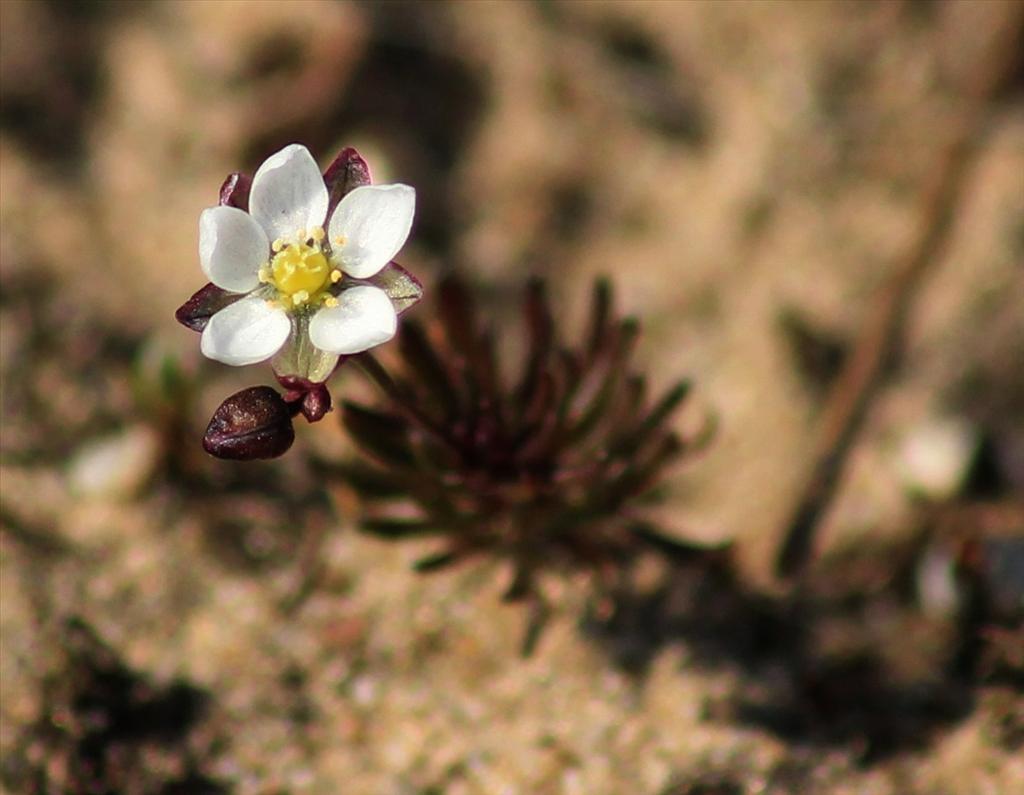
[313, 399]
[254, 423]
[316, 403]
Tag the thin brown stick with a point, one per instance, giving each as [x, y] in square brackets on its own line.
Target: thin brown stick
[863, 374]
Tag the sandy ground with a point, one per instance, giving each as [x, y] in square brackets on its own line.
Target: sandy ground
[748, 174]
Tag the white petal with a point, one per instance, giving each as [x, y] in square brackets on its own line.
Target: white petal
[288, 193]
[374, 221]
[232, 247]
[245, 332]
[363, 318]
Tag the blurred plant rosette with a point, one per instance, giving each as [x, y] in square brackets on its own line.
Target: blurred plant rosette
[555, 466]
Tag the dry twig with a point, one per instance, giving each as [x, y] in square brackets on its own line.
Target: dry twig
[863, 375]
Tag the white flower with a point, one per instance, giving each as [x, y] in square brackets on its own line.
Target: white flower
[301, 272]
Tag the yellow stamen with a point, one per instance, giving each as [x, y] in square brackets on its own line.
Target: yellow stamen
[330, 301]
[299, 271]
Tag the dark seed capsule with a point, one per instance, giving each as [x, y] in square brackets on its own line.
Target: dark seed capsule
[312, 398]
[254, 423]
[316, 403]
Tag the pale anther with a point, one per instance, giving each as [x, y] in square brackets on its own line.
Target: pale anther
[277, 245]
[335, 276]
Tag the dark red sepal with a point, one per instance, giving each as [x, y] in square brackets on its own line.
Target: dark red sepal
[235, 191]
[346, 172]
[251, 424]
[312, 399]
[196, 312]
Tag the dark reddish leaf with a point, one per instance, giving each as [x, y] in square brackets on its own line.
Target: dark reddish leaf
[457, 314]
[399, 528]
[540, 333]
[439, 560]
[652, 423]
[367, 481]
[538, 617]
[600, 311]
[382, 435]
[426, 367]
[642, 472]
[596, 391]
[543, 406]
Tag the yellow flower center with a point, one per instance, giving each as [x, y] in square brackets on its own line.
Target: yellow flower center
[300, 271]
[299, 267]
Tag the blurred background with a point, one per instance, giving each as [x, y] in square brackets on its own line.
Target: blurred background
[767, 184]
